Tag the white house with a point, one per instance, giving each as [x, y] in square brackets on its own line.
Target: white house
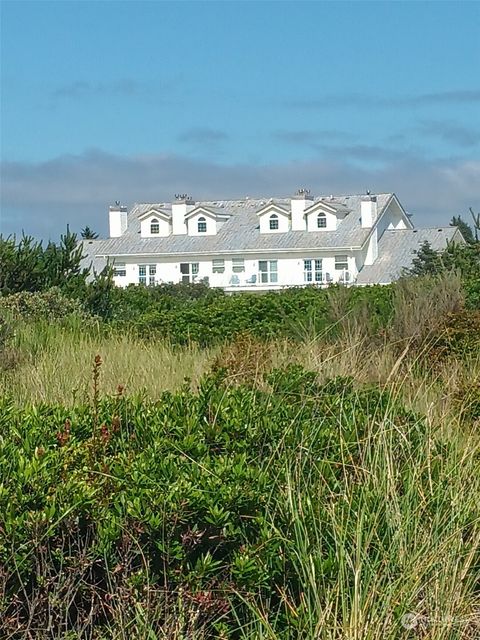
[263, 244]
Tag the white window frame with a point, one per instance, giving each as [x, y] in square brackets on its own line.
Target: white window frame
[273, 222]
[120, 269]
[313, 270]
[268, 271]
[218, 265]
[202, 221]
[238, 265]
[191, 273]
[321, 218]
[147, 272]
[341, 262]
[154, 227]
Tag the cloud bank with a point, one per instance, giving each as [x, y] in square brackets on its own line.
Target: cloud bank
[42, 198]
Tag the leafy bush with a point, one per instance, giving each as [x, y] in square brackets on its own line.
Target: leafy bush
[49, 305]
[213, 499]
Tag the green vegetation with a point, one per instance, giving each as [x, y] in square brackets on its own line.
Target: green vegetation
[180, 464]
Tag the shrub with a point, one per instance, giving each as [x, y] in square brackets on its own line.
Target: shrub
[219, 499]
[49, 305]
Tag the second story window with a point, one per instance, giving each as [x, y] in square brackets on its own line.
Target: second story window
[321, 221]
[202, 225]
[273, 222]
[154, 227]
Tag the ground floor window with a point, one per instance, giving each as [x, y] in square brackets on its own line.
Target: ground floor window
[120, 269]
[218, 265]
[312, 270]
[268, 271]
[238, 265]
[188, 271]
[341, 263]
[147, 273]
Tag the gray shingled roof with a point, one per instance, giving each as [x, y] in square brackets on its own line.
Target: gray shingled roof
[396, 250]
[240, 233]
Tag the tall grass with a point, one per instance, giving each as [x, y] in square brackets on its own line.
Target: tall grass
[54, 363]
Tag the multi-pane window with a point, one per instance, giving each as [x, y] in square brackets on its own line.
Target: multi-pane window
[154, 227]
[321, 221]
[120, 269]
[341, 262]
[218, 266]
[312, 270]
[202, 225]
[152, 272]
[188, 271]
[273, 221]
[268, 271]
[147, 273]
[238, 265]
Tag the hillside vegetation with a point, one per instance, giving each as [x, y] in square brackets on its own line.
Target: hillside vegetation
[180, 464]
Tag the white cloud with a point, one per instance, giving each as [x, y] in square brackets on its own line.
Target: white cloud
[42, 198]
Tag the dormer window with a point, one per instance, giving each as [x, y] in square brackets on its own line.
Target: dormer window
[202, 225]
[273, 222]
[154, 227]
[321, 221]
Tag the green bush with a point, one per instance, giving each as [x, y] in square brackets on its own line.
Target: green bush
[192, 495]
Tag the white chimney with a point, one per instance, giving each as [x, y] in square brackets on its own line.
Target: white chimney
[368, 211]
[117, 219]
[299, 202]
[182, 205]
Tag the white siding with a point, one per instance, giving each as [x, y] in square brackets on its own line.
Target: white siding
[283, 221]
[290, 269]
[145, 226]
[192, 225]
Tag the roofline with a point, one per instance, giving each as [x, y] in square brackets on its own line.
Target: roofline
[206, 211]
[272, 205]
[321, 203]
[227, 252]
[153, 211]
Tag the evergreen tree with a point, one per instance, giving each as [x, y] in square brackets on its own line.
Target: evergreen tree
[88, 234]
[464, 228]
[427, 261]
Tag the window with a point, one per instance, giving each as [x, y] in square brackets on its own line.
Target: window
[268, 271]
[119, 269]
[321, 221]
[188, 271]
[218, 266]
[341, 262]
[273, 221]
[202, 225]
[147, 271]
[152, 273]
[154, 227]
[238, 265]
[312, 270]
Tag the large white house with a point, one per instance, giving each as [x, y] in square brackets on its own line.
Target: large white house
[263, 244]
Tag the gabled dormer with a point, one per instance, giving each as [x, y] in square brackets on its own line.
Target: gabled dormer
[204, 221]
[273, 218]
[324, 215]
[154, 223]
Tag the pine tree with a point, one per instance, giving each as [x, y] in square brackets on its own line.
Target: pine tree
[464, 228]
[88, 234]
[427, 261]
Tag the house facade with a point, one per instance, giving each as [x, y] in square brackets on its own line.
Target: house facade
[263, 244]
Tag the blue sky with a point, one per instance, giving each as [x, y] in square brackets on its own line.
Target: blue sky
[136, 101]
